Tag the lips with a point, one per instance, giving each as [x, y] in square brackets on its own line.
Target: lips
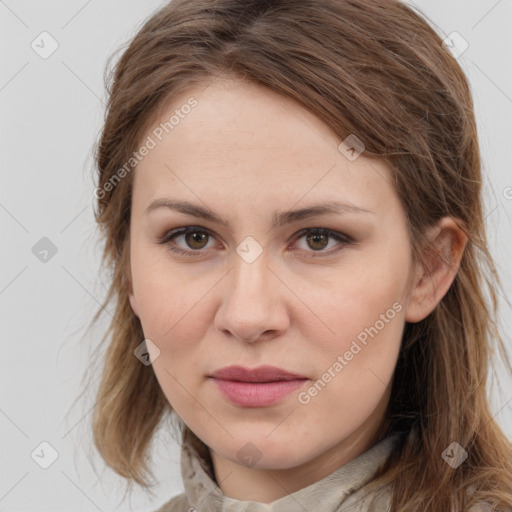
[259, 387]
[259, 374]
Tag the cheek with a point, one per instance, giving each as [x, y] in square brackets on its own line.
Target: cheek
[365, 345]
[365, 295]
[364, 310]
[355, 368]
[172, 306]
[157, 288]
[166, 310]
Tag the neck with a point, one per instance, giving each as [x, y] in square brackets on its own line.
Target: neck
[265, 485]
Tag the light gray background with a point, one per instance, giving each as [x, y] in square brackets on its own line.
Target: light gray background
[51, 112]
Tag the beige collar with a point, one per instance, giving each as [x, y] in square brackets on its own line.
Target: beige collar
[336, 492]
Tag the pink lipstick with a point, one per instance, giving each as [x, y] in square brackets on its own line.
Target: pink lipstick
[258, 387]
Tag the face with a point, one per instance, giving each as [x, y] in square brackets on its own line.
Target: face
[322, 295]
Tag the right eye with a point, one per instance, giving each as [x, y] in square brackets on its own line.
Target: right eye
[194, 238]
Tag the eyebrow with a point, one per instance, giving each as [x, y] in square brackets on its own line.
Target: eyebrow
[280, 218]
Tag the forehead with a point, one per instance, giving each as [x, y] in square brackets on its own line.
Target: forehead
[229, 137]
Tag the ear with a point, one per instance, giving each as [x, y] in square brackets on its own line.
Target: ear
[126, 263]
[131, 295]
[133, 303]
[434, 277]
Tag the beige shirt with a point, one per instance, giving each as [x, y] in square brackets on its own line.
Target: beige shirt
[341, 491]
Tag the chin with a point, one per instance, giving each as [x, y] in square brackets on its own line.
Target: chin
[281, 453]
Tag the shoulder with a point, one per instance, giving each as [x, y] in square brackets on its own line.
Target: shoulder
[380, 499]
[365, 500]
[177, 504]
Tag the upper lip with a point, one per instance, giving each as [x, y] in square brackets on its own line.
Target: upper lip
[259, 374]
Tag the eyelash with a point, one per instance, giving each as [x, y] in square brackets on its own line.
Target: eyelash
[170, 236]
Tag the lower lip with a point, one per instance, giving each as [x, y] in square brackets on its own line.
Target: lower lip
[257, 394]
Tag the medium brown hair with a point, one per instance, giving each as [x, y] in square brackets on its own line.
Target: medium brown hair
[374, 69]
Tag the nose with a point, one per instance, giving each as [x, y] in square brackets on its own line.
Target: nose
[253, 303]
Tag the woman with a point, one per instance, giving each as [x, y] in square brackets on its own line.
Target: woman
[290, 195]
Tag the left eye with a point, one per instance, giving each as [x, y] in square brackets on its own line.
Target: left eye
[317, 238]
[196, 239]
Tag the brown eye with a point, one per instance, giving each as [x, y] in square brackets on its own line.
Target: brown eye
[317, 241]
[196, 239]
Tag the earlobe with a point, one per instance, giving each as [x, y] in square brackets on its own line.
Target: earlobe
[133, 304]
[436, 273]
[129, 282]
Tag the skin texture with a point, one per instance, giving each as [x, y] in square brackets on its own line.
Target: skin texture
[247, 153]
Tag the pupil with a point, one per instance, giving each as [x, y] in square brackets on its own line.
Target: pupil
[315, 237]
[196, 237]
